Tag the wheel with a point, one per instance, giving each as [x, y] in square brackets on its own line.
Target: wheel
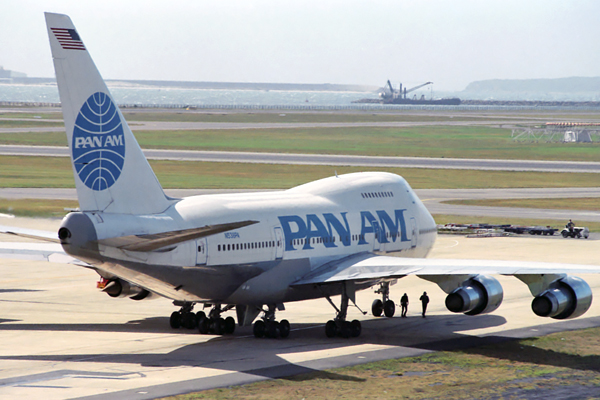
[175, 320]
[355, 328]
[188, 320]
[259, 329]
[284, 328]
[229, 325]
[389, 308]
[219, 326]
[565, 234]
[330, 329]
[204, 326]
[346, 329]
[377, 307]
[199, 317]
[272, 329]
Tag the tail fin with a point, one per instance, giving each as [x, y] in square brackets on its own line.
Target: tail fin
[111, 172]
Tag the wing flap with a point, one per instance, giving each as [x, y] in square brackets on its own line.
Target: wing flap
[156, 241]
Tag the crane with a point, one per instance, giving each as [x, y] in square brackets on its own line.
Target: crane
[414, 88]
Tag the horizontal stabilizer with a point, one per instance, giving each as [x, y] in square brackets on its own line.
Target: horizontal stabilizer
[157, 241]
[30, 233]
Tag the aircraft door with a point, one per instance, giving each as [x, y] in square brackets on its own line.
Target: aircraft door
[278, 243]
[201, 251]
[415, 232]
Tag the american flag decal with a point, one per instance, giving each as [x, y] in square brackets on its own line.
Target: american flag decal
[68, 39]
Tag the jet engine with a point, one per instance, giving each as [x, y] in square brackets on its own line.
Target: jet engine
[569, 297]
[121, 288]
[478, 295]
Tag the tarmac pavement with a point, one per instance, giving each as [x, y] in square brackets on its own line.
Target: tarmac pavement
[60, 337]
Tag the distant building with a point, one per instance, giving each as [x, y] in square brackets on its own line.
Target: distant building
[7, 75]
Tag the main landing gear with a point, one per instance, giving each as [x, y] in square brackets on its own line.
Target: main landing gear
[213, 323]
[269, 328]
[384, 305]
[339, 326]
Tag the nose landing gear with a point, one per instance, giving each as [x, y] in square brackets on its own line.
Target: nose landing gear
[385, 305]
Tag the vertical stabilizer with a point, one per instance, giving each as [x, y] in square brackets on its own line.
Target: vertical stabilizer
[111, 173]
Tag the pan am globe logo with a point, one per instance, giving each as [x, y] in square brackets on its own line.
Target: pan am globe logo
[98, 143]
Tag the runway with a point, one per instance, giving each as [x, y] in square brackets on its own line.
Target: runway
[329, 159]
[63, 338]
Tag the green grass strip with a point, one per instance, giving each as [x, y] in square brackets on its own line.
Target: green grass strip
[429, 141]
[56, 172]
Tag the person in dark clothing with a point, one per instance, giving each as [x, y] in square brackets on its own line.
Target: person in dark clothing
[424, 301]
[570, 225]
[404, 304]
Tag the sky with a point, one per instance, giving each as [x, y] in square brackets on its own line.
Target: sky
[450, 43]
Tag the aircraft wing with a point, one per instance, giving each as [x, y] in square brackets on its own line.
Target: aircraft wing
[368, 266]
[38, 252]
[30, 233]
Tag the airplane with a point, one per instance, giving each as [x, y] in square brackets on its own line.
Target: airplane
[254, 252]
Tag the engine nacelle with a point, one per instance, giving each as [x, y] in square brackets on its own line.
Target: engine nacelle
[569, 297]
[121, 288]
[479, 295]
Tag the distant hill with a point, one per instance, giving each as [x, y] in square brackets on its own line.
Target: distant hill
[574, 88]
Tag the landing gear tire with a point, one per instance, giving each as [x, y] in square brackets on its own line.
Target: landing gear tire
[284, 328]
[219, 326]
[330, 329]
[259, 329]
[175, 320]
[377, 307]
[346, 329]
[389, 308]
[200, 315]
[272, 329]
[355, 328]
[188, 320]
[204, 326]
[229, 325]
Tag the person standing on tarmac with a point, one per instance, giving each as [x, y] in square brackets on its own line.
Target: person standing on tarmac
[424, 301]
[404, 304]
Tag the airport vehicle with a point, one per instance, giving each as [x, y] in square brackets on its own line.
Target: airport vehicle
[255, 252]
[577, 232]
[542, 230]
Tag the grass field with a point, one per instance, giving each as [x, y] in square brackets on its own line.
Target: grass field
[553, 366]
[430, 141]
[57, 173]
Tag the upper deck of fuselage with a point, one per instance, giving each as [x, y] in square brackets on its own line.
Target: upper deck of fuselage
[349, 191]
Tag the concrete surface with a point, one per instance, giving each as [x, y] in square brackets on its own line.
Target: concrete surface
[60, 337]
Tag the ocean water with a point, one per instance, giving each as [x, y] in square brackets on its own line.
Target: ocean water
[133, 95]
